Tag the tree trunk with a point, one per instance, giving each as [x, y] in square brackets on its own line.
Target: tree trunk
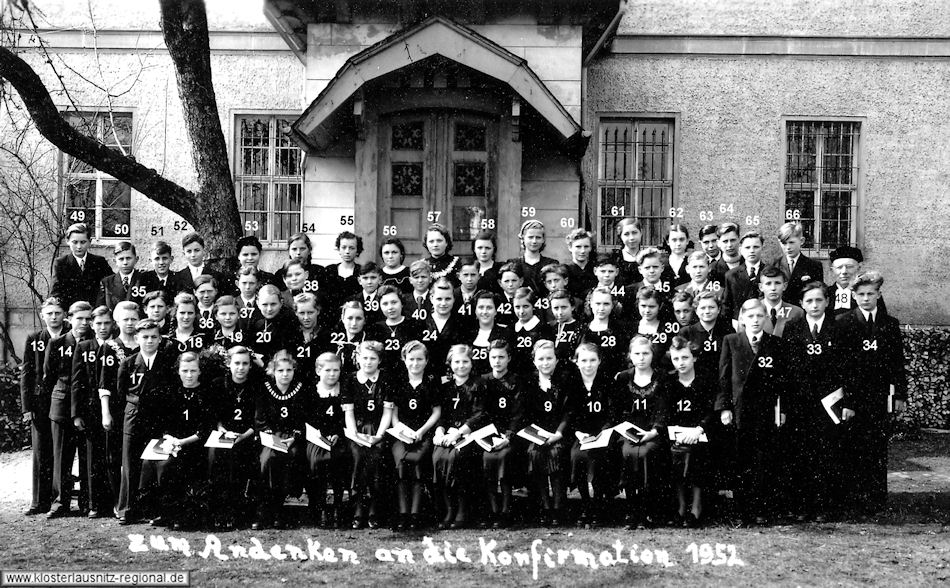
[185, 28]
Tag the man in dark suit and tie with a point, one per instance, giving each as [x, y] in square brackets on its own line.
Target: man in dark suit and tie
[845, 265]
[147, 373]
[729, 257]
[752, 379]
[799, 268]
[127, 283]
[875, 385]
[58, 372]
[193, 247]
[742, 281]
[160, 277]
[78, 274]
[86, 408]
[35, 401]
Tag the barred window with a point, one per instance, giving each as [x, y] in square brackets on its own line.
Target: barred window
[269, 178]
[635, 177]
[91, 196]
[821, 181]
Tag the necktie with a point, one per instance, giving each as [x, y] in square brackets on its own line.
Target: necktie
[148, 364]
[814, 332]
[791, 265]
[82, 264]
[125, 283]
[162, 280]
[419, 301]
[755, 344]
[870, 325]
[774, 316]
[206, 314]
[752, 274]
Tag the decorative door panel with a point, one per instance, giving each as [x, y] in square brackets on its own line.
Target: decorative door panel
[436, 167]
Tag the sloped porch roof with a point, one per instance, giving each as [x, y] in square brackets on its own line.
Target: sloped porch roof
[433, 36]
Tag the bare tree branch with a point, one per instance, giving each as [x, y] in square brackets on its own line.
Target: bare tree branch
[51, 125]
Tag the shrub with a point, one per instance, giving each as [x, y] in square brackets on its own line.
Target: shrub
[14, 434]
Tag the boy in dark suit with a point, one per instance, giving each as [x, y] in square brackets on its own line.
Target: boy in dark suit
[126, 283]
[799, 268]
[875, 384]
[111, 405]
[88, 361]
[742, 282]
[78, 274]
[57, 372]
[773, 283]
[35, 401]
[160, 278]
[728, 244]
[148, 372]
[193, 247]
[752, 379]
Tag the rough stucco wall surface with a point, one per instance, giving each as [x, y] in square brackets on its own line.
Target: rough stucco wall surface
[731, 149]
[871, 18]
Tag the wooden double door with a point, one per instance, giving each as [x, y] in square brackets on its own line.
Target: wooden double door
[437, 166]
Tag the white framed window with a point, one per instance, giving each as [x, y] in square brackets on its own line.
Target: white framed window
[269, 177]
[635, 176]
[89, 195]
[822, 180]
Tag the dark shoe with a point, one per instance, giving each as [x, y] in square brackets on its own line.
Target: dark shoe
[357, 524]
[690, 521]
[761, 521]
[415, 522]
[457, 524]
[401, 523]
[35, 510]
[124, 520]
[159, 522]
[58, 513]
[257, 525]
[629, 523]
[373, 523]
[802, 518]
[821, 519]
[177, 526]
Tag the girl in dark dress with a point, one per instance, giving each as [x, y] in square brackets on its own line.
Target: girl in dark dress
[455, 468]
[346, 336]
[486, 330]
[644, 402]
[484, 247]
[182, 419]
[528, 329]
[328, 467]
[396, 329]
[500, 405]
[438, 242]
[232, 469]
[283, 406]
[300, 247]
[692, 396]
[417, 405]
[547, 403]
[394, 271]
[342, 280]
[591, 467]
[367, 416]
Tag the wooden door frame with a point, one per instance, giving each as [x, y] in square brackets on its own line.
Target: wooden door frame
[378, 106]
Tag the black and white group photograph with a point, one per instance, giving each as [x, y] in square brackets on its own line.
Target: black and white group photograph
[473, 292]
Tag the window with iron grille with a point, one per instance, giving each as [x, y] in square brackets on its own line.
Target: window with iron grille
[635, 177]
[269, 178]
[91, 196]
[821, 180]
